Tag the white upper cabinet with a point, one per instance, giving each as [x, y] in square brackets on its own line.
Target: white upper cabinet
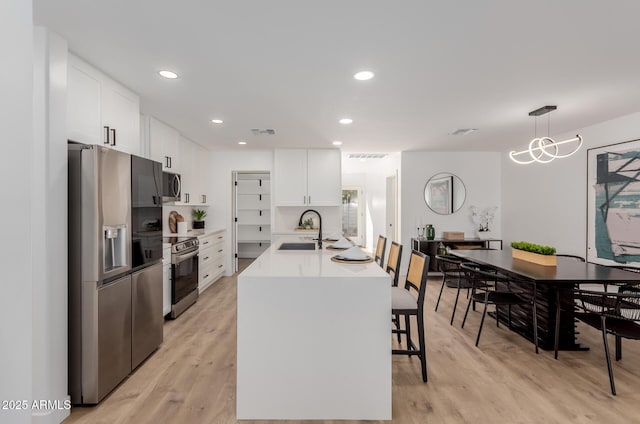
[101, 111]
[324, 177]
[164, 145]
[203, 167]
[189, 172]
[307, 177]
[121, 116]
[290, 177]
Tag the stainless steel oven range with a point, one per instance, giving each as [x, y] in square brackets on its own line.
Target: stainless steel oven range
[184, 273]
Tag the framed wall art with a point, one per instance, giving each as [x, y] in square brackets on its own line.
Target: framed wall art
[613, 204]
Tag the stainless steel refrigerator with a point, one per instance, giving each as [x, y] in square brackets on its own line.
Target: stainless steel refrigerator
[115, 311]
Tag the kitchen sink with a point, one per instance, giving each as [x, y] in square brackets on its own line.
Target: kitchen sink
[297, 246]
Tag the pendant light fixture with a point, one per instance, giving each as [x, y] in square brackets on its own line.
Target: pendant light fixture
[545, 149]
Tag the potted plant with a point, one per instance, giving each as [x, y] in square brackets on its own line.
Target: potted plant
[535, 253]
[307, 223]
[198, 218]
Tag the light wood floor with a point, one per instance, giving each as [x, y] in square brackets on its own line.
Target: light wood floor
[192, 377]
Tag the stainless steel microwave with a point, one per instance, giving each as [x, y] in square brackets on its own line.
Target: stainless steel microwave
[171, 186]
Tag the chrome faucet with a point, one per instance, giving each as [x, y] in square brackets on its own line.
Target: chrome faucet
[319, 225]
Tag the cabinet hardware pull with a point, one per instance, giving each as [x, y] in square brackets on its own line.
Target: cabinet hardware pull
[106, 135]
[219, 266]
[204, 198]
[166, 160]
[219, 237]
[304, 200]
[309, 199]
[206, 242]
[205, 277]
[219, 250]
[113, 131]
[170, 161]
[260, 196]
[260, 212]
[186, 197]
[259, 228]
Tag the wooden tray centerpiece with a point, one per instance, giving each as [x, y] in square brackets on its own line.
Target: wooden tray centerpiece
[534, 253]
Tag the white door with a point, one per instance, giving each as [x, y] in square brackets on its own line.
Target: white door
[324, 177]
[352, 210]
[392, 209]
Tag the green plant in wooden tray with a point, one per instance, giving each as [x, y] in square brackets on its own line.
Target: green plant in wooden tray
[533, 248]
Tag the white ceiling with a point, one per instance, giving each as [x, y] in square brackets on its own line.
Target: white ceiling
[288, 65]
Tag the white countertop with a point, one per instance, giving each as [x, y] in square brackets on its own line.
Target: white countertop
[194, 233]
[306, 263]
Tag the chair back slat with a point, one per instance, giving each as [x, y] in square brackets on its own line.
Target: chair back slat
[380, 248]
[417, 274]
[393, 263]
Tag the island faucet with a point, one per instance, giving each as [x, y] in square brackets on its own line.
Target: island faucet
[319, 225]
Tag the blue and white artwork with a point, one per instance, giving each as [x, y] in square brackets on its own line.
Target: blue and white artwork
[614, 204]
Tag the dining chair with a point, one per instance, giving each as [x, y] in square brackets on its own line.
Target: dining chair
[614, 310]
[380, 249]
[453, 277]
[492, 288]
[393, 268]
[404, 302]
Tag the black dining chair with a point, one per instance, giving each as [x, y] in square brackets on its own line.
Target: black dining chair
[492, 288]
[453, 277]
[614, 310]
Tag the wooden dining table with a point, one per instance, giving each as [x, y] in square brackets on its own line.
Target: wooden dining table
[553, 284]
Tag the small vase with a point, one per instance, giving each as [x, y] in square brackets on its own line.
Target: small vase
[484, 235]
[431, 232]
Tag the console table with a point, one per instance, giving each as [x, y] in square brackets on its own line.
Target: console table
[430, 247]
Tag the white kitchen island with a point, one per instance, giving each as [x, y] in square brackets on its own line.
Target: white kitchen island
[314, 338]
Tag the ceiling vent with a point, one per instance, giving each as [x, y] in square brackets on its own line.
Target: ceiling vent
[367, 155]
[268, 131]
[464, 131]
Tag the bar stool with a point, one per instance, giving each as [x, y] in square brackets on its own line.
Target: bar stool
[393, 265]
[403, 302]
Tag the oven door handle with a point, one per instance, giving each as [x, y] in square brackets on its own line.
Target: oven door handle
[182, 258]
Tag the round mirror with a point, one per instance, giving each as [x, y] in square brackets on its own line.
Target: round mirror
[444, 193]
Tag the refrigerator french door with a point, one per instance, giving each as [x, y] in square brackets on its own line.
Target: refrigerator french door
[99, 266]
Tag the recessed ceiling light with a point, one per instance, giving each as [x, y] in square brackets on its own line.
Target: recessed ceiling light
[217, 121]
[242, 142]
[168, 74]
[363, 75]
[337, 143]
[346, 121]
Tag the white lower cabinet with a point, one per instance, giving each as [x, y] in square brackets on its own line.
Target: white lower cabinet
[212, 258]
[166, 279]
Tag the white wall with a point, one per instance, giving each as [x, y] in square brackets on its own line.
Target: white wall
[16, 127]
[479, 171]
[547, 203]
[371, 175]
[49, 225]
[222, 164]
